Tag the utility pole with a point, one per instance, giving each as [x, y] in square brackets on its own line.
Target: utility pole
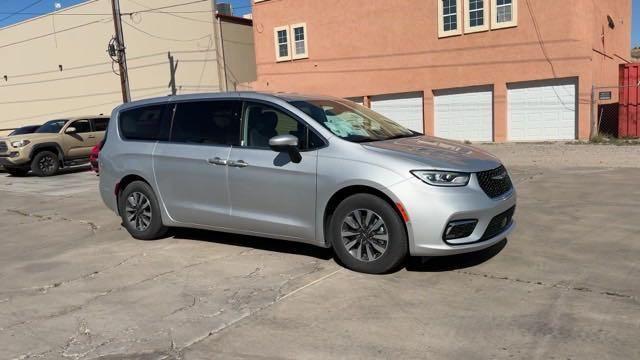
[120, 50]
[217, 30]
[173, 67]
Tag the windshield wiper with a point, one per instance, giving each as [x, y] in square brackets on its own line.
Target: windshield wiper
[402, 136]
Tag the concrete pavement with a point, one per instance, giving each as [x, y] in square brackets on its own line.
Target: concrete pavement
[73, 284]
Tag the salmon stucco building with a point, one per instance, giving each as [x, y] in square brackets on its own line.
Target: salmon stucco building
[479, 70]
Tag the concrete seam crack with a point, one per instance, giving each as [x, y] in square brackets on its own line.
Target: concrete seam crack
[555, 286]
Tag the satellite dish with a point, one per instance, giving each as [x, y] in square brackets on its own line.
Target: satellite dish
[57, 5]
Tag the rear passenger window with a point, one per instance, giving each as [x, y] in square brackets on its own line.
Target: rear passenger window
[100, 124]
[207, 122]
[148, 123]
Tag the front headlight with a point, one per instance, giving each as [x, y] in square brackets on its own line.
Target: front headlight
[21, 143]
[442, 178]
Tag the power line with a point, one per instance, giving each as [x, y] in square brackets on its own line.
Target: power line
[18, 12]
[61, 13]
[171, 14]
[78, 76]
[66, 111]
[162, 37]
[86, 66]
[166, 7]
[51, 33]
[26, 101]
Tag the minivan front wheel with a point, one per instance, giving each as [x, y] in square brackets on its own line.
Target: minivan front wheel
[367, 234]
[140, 212]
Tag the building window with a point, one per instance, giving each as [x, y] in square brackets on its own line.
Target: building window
[477, 16]
[283, 46]
[291, 42]
[449, 17]
[299, 32]
[476, 13]
[504, 14]
[504, 11]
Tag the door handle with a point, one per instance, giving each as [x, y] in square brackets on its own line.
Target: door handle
[92, 137]
[217, 161]
[239, 163]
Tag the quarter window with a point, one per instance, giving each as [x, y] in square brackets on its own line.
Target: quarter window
[149, 123]
[207, 123]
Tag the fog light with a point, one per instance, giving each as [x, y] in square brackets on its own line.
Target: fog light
[459, 229]
[14, 154]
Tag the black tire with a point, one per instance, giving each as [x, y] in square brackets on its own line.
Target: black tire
[18, 172]
[151, 227]
[45, 163]
[379, 262]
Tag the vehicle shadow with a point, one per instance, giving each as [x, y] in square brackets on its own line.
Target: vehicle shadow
[253, 242]
[454, 262]
[414, 264]
[61, 172]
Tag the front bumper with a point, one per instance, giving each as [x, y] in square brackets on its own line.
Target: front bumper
[13, 160]
[431, 208]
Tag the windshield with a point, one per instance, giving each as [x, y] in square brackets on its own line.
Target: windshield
[352, 122]
[52, 127]
[24, 130]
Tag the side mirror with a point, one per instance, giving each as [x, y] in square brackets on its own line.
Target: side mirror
[288, 144]
[71, 130]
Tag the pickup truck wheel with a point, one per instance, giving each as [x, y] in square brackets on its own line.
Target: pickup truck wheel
[140, 212]
[45, 163]
[18, 172]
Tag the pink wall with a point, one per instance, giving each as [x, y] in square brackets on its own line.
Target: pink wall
[364, 48]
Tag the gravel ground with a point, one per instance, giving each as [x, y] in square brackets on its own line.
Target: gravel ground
[560, 155]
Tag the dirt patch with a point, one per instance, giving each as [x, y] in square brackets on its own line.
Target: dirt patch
[562, 155]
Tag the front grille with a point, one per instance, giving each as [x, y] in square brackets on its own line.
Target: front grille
[498, 224]
[3, 147]
[495, 182]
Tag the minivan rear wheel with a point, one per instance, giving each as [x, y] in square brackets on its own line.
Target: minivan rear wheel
[367, 234]
[140, 212]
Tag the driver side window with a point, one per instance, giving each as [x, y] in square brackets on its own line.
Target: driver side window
[262, 122]
[82, 126]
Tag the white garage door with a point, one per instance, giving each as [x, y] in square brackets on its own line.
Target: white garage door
[544, 112]
[464, 114]
[405, 109]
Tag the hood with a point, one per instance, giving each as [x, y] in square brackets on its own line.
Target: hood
[436, 153]
[28, 136]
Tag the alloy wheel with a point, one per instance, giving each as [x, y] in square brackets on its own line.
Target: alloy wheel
[47, 164]
[365, 235]
[138, 211]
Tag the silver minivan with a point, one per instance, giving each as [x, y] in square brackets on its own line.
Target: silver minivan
[312, 169]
